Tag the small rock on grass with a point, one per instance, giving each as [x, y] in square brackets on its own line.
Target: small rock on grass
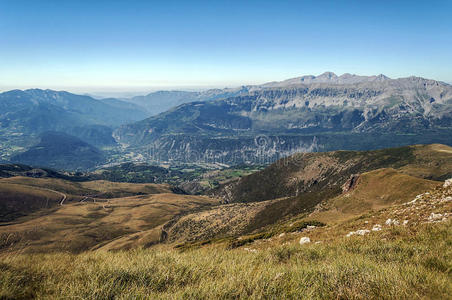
[304, 240]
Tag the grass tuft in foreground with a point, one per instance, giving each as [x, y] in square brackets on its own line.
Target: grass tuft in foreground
[408, 265]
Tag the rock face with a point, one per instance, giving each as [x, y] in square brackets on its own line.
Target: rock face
[287, 115]
[351, 183]
[160, 101]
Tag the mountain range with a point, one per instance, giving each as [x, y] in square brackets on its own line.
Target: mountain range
[250, 124]
[311, 113]
[160, 101]
[25, 115]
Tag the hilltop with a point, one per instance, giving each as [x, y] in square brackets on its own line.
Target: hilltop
[58, 150]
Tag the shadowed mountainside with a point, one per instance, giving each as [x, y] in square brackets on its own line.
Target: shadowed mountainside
[61, 151]
[305, 174]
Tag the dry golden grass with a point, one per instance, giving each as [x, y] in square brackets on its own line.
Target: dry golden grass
[412, 264]
[411, 261]
[68, 187]
[432, 161]
[221, 221]
[105, 189]
[19, 200]
[95, 214]
[80, 226]
[376, 190]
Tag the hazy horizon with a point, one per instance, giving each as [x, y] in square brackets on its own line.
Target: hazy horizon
[135, 46]
[125, 91]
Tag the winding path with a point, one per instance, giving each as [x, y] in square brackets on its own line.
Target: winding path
[63, 195]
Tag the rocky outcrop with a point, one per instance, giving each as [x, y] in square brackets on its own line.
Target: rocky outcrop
[350, 184]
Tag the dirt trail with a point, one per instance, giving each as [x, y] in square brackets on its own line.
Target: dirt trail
[63, 195]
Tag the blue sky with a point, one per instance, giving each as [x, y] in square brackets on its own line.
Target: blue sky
[130, 45]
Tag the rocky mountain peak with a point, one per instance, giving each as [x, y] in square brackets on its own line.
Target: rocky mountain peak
[327, 76]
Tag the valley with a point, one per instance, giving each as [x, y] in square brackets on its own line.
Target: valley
[318, 180]
[253, 124]
[320, 170]
[377, 219]
[81, 212]
[225, 150]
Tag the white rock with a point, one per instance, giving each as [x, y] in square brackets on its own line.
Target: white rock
[447, 183]
[377, 227]
[434, 217]
[359, 232]
[362, 231]
[392, 222]
[405, 222]
[304, 240]
[418, 197]
[310, 227]
[281, 235]
[447, 199]
[250, 250]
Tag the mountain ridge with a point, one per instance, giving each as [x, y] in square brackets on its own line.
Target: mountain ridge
[403, 106]
[307, 113]
[25, 114]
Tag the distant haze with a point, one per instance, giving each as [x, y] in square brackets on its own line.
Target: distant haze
[139, 46]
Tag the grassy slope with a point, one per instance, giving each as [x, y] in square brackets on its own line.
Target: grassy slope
[407, 264]
[96, 187]
[94, 214]
[304, 173]
[375, 190]
[20, 200]
[405, 261]
[410, 261]
[80, 226]
[21, 196]
[305, 180]
[130, 215]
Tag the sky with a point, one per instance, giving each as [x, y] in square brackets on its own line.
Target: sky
[89, 46]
